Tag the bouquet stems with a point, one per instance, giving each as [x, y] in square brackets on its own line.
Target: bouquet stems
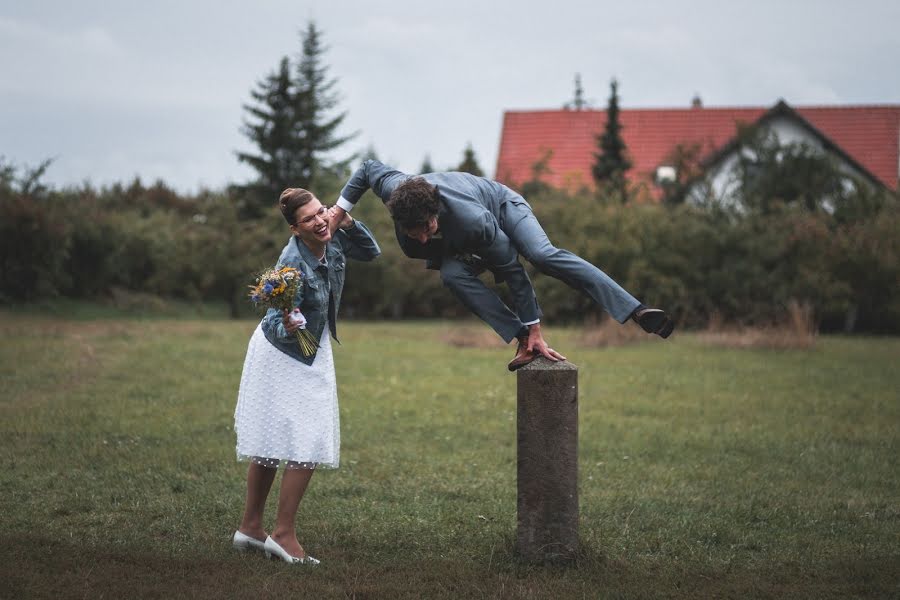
[308, 344]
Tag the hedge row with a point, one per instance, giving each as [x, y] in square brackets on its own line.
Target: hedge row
[699, 263]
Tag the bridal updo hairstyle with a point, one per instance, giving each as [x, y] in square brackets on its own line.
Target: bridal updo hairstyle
[414, 203]
[290, 200]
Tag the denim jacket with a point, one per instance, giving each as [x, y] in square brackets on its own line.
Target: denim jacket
[319, 296]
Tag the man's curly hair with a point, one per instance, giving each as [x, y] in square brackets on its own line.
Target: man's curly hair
[414, 203]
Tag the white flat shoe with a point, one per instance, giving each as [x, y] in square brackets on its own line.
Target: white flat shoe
[242, 543]
[273, 548]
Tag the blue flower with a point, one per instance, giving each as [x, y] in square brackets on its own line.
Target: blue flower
[267, 289]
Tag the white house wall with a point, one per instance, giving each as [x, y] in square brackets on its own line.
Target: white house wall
[722, 179]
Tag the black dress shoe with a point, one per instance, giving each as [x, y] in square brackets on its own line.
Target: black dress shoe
[654, 320]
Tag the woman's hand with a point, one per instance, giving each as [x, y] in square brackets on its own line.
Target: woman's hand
[290, 325]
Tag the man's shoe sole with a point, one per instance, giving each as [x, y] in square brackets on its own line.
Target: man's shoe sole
[518, 364]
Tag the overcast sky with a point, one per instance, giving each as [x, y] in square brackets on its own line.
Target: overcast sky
[111, 90]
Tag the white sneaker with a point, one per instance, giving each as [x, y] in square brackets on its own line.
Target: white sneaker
[273, 548]
[242, 543]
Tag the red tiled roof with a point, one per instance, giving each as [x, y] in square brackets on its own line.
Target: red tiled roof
[869, 134]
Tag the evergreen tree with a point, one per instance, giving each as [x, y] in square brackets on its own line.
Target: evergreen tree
[469, 163]
[611, 162]
[579, 102]
[315, 100]
[426, 167]
[290, 126]
[272, 132]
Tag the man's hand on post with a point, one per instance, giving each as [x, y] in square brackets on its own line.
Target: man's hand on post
[537, 344]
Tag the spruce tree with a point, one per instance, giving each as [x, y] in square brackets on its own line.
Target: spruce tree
[578, 102]
[469, 163]
[611, 162]
[315, 100]
[291, 126]
[272, 132]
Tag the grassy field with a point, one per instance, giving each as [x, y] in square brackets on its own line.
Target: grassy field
[704, 472]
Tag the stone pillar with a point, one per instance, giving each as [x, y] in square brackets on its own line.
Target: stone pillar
[547, 461]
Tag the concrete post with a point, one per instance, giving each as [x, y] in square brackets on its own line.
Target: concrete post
[547, 461]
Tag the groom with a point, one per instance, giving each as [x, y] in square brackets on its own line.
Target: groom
[470, 224]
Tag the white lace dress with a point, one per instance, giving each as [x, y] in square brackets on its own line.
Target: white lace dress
[288, 411]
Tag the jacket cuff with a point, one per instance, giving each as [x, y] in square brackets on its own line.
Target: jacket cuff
[280, 332]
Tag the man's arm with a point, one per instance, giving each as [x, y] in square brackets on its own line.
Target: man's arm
[373, 175]
[498, 251]
[499, 254]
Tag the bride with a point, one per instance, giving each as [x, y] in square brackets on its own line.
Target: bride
[287, 409]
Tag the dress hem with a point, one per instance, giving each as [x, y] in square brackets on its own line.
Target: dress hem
[289, 463]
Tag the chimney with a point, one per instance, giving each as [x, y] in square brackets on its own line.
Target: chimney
[696, 102]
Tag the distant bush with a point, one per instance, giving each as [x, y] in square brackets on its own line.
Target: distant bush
[745, 268]
[35, 247]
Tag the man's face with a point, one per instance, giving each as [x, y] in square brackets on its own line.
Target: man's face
[423, 233]
[312, 223]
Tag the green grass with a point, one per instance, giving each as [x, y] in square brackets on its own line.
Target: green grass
[124, 305]
[704, 472]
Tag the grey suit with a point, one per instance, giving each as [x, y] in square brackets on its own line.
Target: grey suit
[487, 219]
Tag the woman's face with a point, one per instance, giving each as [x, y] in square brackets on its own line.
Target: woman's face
[312, 223]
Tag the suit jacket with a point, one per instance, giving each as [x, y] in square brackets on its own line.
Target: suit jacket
[472, 220]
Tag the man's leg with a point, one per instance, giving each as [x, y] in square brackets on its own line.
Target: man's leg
[463, 281]
[531, 241]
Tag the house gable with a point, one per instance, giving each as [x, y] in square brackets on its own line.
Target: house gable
[791, 128]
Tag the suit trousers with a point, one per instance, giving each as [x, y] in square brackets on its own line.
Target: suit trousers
[525, 232]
